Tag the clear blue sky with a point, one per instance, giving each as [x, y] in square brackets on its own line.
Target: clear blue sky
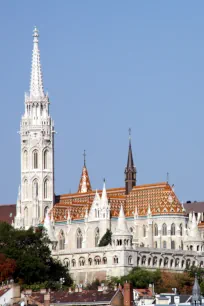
[108, 66]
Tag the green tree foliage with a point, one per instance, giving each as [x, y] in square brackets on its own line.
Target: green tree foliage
[196, 270]
[106, 239]
[31, 252]
[202, 288]
[140, 278]
[163, 281]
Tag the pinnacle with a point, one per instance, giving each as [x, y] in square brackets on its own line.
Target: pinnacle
[36, 82]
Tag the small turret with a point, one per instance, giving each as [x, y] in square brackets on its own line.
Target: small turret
[122, 235]
[69, 220]
[104, 202]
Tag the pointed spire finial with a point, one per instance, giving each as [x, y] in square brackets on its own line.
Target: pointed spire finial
[129, 131]
[167, 177]
[36, 82]
[35, 34]
[130, 170]
[84, 154]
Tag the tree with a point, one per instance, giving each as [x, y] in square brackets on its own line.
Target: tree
[7, 267]
[106, 239]
[140, 278]
[31, 252]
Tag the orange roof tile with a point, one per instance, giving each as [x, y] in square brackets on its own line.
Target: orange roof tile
[159, 196]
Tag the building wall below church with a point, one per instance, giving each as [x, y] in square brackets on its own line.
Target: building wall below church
[88, 264]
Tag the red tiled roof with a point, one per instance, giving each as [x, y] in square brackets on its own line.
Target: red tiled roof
[7, 213]
[84, 297]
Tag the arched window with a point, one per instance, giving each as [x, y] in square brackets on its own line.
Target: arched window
[115, 259]
[173, 229]
[164, 244]
[25, 159]
[144, 231]
[35, 189]
[25, 194]
[181, 229]
[130, 260]
[79, 239]
[172, 244]
[164, 229]
[35, 159]
[26, 216]
[73, 263]
[97, 260]
[45, 189]
[81, 261]
[45, 159]
[66, 262]
[181, 245]
[104, 260]
[61, 240]
[45, 211]
[131, 230]
[96, 236]
[155, 230]
[90, 261]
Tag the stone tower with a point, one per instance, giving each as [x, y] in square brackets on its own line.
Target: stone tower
[36, 194]
[130, 170]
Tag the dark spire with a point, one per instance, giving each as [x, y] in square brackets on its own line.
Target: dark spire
[196, 296]
[130, 162]
[130, 170]
[84, 158]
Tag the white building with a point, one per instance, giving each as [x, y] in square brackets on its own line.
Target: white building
[148, 223]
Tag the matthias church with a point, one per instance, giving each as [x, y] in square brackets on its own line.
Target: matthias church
[150, 227]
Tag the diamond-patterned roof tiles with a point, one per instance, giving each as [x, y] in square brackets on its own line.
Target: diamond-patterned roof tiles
[160, 197]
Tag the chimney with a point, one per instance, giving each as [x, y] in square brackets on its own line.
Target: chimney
[128, 294]
[47, 299]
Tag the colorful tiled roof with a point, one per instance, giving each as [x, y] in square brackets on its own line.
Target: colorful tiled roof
[159, 197]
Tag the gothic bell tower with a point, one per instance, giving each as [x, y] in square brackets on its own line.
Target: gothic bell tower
[36, 193]
[130, 170]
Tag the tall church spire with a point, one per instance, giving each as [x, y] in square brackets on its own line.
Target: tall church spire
[37, 149]
[84, 184]
[130, 170]
[36, 82]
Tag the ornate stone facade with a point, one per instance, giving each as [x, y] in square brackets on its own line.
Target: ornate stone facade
[36, 193]
[148, 223]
